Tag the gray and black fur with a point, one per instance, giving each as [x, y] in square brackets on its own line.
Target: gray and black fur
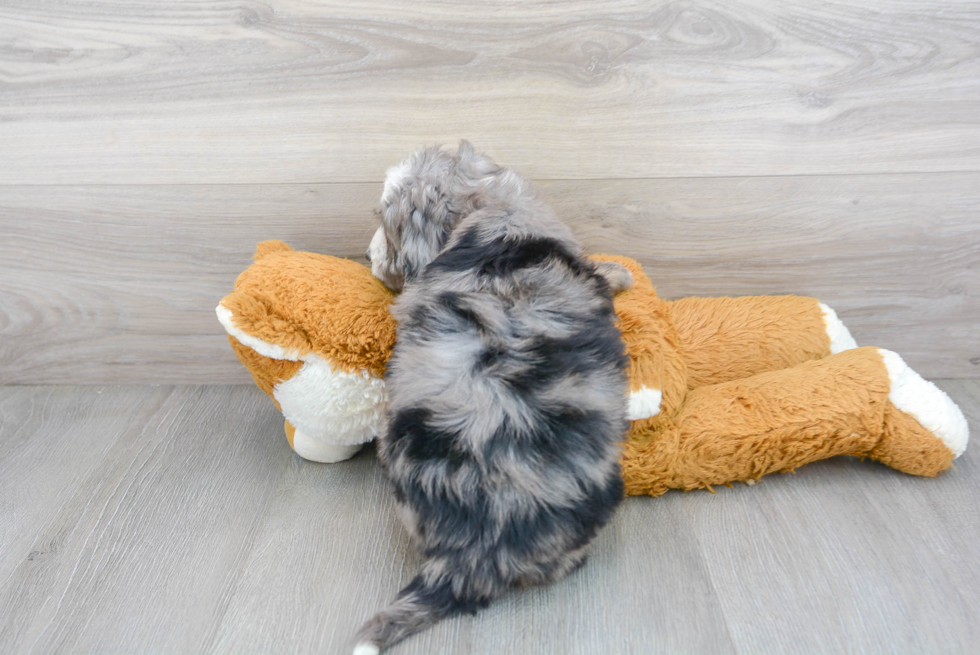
[507, 388]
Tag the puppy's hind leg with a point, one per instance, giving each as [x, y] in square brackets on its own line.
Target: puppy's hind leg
[616, 275]
[553, 571]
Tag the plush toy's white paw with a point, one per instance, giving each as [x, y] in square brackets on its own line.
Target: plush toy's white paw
[927, 403]
[643, 403]
[321, 399]
[840, 336]
[317, 451]
[366, 649]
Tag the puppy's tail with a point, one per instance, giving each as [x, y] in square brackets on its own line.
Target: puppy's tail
[424, 602]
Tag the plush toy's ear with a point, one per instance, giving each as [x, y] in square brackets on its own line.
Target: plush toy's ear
[268, 247]
[301, 303]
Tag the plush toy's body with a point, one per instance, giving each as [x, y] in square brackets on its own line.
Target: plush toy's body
[721, 389]
[768, 383]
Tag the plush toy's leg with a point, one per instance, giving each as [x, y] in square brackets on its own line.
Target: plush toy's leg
[734, 338]
[317, 451]
[918, 410]
[851, 403]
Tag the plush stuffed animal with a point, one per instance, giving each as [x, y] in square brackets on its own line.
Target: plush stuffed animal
[720, 389]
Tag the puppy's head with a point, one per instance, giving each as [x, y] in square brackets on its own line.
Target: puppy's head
[424, 198]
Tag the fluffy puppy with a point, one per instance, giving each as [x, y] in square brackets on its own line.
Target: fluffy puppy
[506, 387]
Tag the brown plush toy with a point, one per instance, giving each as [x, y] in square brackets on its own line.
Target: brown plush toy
[720, 389]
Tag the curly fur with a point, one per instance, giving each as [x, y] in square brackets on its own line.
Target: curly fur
[506, 387]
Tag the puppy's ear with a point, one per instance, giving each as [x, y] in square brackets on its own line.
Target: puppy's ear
[473, 167]
[422, 223]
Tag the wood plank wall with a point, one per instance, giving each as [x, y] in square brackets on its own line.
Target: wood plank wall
[734, 148]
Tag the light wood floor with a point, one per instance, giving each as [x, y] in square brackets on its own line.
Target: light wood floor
[175, 519]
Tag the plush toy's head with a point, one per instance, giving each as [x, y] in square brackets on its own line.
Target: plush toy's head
[311, 327]
[316, 334]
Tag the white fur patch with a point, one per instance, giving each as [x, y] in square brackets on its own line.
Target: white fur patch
[929, 404]
[644, 403]
[366, 649]
[378, 253]
[394, 178]
[507, 178]
[263, 348]
[319, 451]
[336, 407]
[840, 336]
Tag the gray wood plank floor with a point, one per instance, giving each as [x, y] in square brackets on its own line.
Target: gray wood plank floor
[175, 519]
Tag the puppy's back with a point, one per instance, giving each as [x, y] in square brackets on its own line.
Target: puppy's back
[507, 406]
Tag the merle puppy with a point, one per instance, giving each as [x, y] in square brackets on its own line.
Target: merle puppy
[507, 388]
